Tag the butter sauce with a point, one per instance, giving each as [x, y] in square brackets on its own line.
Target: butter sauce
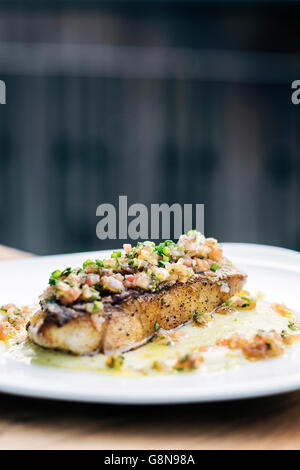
[192, 338]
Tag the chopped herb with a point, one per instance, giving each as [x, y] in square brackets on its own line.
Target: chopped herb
[115, 362]
[54, 278]
[87, 263]
[97, 306]
[214, 267]
[99, 263]
[162, 301]
[292, 326]
[223, 283]
[116, 254]
[199, 319]
[162, 249]
[156, 327]
[161, 263]
[66, 272]
[154, 281]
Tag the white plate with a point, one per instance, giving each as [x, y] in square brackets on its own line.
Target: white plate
[275, 271]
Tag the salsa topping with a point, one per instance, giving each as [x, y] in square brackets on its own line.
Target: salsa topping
[13, 320]
[189, 362]
[144, 267]
[242, 301]
[263, 345]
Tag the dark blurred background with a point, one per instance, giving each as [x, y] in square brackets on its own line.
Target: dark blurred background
[184, 102]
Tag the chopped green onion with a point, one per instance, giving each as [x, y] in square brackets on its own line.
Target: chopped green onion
[97, 306]
[196, 317]
[66, 272]
[214, 267]
[54, 278]
[161, 263]
[87, 263]
[156, 327]
[292, 326]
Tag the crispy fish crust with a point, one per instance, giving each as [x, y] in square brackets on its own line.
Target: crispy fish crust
[131, 319]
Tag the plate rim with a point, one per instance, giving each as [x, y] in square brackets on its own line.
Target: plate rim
[288, 383]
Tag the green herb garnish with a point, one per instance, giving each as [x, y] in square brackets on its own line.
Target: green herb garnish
[196, 318]
[66, 272]
[292, 326]
[55, 277]
[214, 267]
[97, 307]
[88, 262]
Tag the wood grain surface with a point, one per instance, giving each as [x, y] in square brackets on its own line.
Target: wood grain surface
[264, 423]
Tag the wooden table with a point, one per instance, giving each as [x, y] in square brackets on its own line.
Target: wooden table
[265, 423]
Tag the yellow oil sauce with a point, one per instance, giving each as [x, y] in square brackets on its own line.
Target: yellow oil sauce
[142, 360]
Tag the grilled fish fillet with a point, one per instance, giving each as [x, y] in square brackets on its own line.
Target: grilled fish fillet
[131, 319]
